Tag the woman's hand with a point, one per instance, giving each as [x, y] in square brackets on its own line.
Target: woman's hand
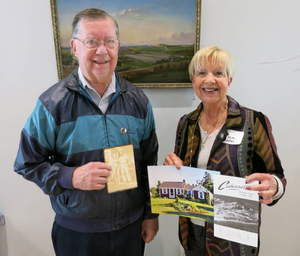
[172, 159]
[267, 186]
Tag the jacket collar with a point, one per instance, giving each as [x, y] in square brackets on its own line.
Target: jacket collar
[234, 117]
[72, 82]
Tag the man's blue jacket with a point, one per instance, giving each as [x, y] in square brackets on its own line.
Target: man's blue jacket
[67, 130]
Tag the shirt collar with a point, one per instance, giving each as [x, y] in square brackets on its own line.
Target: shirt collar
[110, 89]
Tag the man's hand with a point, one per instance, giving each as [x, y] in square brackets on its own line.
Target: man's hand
[172, 159]
[91, 176]
[267, 186]
[149, 229]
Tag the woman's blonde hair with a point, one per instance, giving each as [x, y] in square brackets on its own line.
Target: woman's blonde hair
[214, 55]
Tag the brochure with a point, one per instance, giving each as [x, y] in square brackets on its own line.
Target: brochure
[236, 212]
[185, 192]
[123, 174]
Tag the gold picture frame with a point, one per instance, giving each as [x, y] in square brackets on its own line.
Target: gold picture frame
[166, 69]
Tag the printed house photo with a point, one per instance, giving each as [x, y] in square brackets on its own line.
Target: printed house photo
[185, 192]
[158, 38]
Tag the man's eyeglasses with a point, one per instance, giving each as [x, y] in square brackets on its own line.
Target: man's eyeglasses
[94, 43]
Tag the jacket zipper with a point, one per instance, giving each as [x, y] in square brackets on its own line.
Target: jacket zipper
[113, 197]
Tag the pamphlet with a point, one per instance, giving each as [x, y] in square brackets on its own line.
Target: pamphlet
[236, 211]
[186, 192]
[123, 173]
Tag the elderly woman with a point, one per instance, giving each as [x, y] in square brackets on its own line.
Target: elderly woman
[201, 142]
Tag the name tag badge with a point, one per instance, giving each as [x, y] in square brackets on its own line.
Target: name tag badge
[234, 137]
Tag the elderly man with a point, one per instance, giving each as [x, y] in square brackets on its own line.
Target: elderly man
[61, 148]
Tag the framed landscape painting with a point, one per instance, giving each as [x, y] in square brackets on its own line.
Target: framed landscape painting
[158, 38]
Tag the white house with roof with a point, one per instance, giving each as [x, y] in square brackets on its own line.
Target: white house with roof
[171, 189]
[201, 193]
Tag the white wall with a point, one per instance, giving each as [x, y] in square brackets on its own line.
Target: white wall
[253, 31]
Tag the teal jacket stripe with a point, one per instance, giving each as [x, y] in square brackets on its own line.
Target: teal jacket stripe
[42, 120]
[87, 132]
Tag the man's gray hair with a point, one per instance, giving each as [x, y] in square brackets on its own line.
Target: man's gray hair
[91, 14]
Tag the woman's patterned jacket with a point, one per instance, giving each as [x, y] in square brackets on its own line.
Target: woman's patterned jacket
[256, 153]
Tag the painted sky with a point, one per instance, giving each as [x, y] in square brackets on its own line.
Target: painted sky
[141, 22]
